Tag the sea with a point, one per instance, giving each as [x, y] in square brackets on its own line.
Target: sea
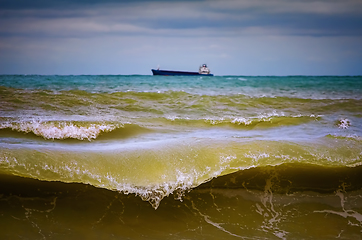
[180, 157]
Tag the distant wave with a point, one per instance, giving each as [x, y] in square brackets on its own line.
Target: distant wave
[83, 130]
[154, 104]
[247, 94]
[271, 120]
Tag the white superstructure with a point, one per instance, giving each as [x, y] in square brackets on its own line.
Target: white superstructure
[203, 69]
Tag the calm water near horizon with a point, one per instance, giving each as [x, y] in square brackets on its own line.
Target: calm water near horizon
[188, 157]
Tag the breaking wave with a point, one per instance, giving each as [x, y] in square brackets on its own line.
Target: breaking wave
[158, 172]
[89, 131]
[55, 130]
[266, 120]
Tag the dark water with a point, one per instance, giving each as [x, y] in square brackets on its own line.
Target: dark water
[147, 157]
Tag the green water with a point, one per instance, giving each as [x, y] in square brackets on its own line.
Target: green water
[147, 157]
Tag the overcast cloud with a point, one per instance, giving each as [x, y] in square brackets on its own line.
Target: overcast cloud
[235, 37]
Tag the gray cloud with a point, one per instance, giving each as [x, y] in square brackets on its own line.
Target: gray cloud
[91, 17]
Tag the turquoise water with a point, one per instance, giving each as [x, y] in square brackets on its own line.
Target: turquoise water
[154, 157]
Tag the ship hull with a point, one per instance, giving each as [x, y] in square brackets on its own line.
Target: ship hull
[176, 73]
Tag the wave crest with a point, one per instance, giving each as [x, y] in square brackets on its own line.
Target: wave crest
[262, 120]
[61, 130]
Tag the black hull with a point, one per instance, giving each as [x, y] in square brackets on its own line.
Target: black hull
[176, 73]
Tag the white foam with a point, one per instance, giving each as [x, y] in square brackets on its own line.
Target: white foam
[256, 157]
[271, 114]
[241, 121]
[61, 130]
[344, 123]
[345, 213]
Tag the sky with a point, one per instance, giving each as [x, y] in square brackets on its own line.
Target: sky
[234, 37]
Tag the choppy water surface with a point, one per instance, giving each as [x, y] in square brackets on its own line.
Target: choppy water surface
[153, 157]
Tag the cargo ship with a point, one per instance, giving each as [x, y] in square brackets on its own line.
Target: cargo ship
[203, 70]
